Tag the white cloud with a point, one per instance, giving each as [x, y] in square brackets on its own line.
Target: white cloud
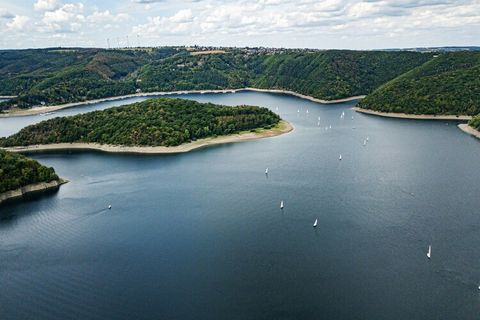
[46, 5]
[68, 18]
[18, 23]
[4, 14]
[106, 17]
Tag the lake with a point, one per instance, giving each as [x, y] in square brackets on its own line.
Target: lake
[201, 235]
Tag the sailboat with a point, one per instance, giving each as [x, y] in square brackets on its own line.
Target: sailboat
[318, 118]
[340, 157]
[330, 127]
[298, 111]
[307, 110]
[367, 138]
[109, 206]
[266, 171]
[364, 142]
[315, 223]
[429, 253]
[281, 204]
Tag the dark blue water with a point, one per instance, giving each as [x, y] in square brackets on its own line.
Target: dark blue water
[201, 235]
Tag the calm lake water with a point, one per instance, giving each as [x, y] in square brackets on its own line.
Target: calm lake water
[201, 235]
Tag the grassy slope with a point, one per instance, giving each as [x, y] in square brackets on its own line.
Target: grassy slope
[448, 84]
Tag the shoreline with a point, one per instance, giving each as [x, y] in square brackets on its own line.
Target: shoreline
[40, 110]
[30, 189]
[412, 116]
[282, 127]
[469, 130]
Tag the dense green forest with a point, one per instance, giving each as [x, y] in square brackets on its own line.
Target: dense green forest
[59, 76]
[153, 122]
[475, 122]
[18, 171]
[447, 84]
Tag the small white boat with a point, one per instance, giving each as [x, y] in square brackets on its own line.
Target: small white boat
[266, 171]
[367, 138]
[276, 108]
[429, 253]
[330, 127]
[281, 204]
[307, 110]
[340, 157]
[315, 223]
[352, 117]
[364, 142]
[318, 118]
[298, 111]
[109, 206]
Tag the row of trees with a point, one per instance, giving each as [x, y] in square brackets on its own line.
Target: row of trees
[154, 122]
[18, 171]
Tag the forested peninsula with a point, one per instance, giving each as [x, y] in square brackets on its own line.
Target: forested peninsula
[20, 175]
[449, 84]
[54, 76]
[160, 122]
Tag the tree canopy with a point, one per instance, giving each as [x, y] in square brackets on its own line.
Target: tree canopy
[153, 122]
[18, 171]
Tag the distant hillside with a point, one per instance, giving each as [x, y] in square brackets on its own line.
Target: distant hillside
[54, 76]
[17, 171]
[154, 122]
[448, 84]
[334, 74]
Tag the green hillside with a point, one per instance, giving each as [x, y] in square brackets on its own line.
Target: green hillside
[448, 84]
[18, 171]
[153, 122]
[61, 76]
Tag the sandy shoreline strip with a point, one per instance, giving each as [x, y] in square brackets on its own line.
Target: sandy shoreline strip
[40, 110]
[7, 97]
[412, 116]
[470, 130]
[31, 188]
[282, 128]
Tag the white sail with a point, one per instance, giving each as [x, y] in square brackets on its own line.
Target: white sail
[281, 204]
[315, 223]
[429, 253]
[266, 171]
[340, 157]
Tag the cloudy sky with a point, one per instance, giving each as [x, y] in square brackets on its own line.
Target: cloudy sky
[352, 24]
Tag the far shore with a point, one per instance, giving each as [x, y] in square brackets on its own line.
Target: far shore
[413, 116]
[45, 109]
[282, 128]
[470, 130]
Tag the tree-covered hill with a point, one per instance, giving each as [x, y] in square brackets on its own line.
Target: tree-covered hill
[60, 76]
[17, 171]
[334, 74]
[153, 122]
[448, 84]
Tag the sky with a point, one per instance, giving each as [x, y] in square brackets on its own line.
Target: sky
[341, 24]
